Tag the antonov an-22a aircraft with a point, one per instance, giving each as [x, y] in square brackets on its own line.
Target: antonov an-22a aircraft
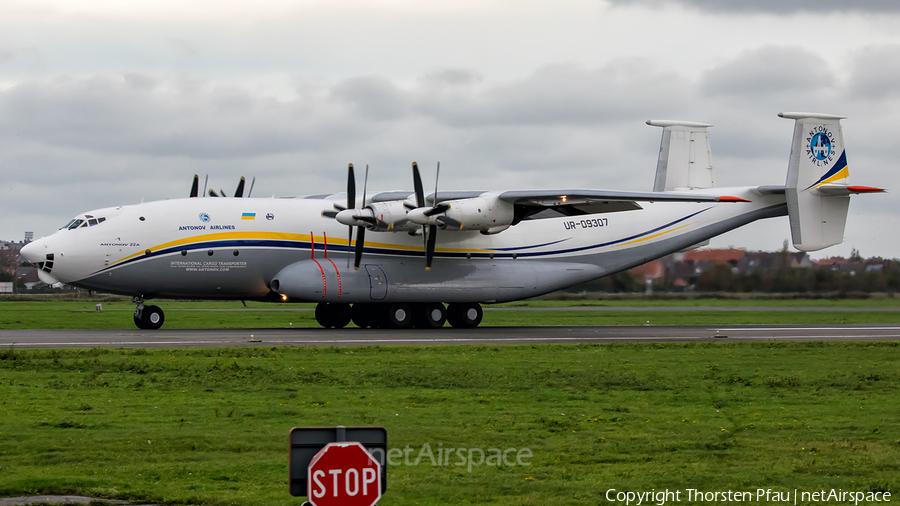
[397, 257]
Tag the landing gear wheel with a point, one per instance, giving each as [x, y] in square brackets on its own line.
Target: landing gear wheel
[152, 317]
[465, 315]
[366, 315]
[138, 321]
[429, 316]
[332, 315]
[399, 316]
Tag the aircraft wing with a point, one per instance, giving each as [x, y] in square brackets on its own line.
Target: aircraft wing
[547, 198]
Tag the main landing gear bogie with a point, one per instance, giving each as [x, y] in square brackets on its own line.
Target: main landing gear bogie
[399, 315]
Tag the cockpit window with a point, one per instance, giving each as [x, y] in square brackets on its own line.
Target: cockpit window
[84, 221]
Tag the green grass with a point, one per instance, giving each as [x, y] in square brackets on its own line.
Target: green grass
[185, 315]
[210, 426]
[750, 302]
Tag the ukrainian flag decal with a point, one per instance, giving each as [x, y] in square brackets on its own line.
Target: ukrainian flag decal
[248, 216]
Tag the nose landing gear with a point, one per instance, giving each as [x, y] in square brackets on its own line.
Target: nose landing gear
[148, 317]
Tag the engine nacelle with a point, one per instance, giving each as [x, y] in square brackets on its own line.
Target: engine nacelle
[379, 217]
[488, 214]
[391, 217]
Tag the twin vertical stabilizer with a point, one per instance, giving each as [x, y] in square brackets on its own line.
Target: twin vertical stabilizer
[816, 187]
[684, 156]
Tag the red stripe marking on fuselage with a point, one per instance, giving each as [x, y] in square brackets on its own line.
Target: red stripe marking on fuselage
[312, 247]
[324, 283]
[338, 276]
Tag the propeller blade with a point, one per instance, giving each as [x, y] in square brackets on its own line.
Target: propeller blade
[329, 214]
[431, 238]
[212, 193]
[361, 234]
[367, 219]
[240, 189]
[360, 244]
[365, 183]
[252, 182]
[417, 184]
[436, 176]
[349, 245]
[351, 203]
[222, 192]
[438, 209]
[351, 188]
[194, 187]
[340, 207]
[429, 246]
[205, 181]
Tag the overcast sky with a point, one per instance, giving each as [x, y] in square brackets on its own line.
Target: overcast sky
[108, 102]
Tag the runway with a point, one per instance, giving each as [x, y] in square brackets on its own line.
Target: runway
[174, 338]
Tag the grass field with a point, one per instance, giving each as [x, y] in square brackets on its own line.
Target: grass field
[185, 315]
[210, 426]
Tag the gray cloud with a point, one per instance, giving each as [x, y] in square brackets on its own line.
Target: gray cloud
[140, 114]
[875, 72]
[769, 70]
[374, 97]
[775, 6]
[565, 94]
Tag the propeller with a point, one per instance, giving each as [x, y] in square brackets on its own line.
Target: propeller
[361, 233]
[252, 182]
[212, 193]
[240, 189]
[353, 217]
[195, 185]
[429, 230]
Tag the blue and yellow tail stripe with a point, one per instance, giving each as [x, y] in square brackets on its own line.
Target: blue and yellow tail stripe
[839, 171]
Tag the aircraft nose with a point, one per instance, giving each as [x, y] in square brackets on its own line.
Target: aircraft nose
[32, 252]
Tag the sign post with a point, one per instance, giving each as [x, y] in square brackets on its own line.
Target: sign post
[344, 474]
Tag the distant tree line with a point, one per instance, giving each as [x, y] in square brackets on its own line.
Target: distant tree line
[873, 275]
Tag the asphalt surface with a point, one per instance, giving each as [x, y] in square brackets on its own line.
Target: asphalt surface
[174, 338]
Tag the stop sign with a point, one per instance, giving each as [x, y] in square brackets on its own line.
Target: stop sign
[344, 474]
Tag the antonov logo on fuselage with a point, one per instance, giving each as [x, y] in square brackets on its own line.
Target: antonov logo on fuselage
[820, 146]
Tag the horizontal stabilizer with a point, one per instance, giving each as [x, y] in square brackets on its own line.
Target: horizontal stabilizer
[848, 190]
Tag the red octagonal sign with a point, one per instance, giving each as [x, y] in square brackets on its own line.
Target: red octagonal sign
[344, 474]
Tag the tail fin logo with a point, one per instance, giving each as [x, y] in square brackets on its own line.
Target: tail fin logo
[838, 172]
[820, 146]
